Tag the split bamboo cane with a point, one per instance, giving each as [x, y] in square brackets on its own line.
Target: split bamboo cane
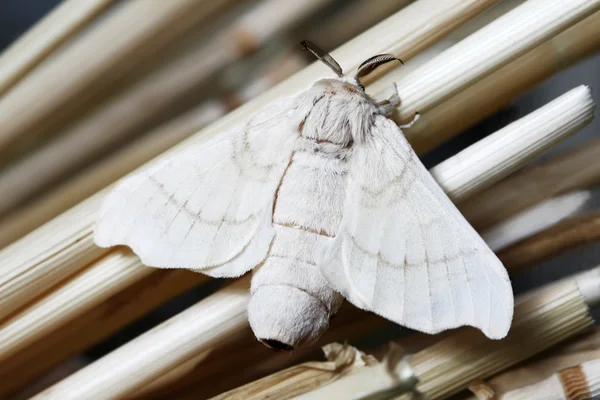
[60, 25]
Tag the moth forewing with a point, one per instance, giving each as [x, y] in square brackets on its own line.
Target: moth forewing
[208, 208]
[423, 266]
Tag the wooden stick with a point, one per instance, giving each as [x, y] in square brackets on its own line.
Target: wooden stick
[109, 49]
[131, 111]
[454, 164]
[18, 223]
[136, 153]
[577, 382]
[534, 372]
[411, 343]
[203, 377]
[116, 166]
[293, 381]
[575, 169]
[350, 21]
[92, 326]
[63, 22]
[536, 219]
[587, 342]
[60, 372]
[447, 366]
[565, 235]
[413, 13]
[49, 258]
[488, 162]
[118, 270]
[382, 80]
[488, 49]
[539, 323]
[191, 332]
[26, 274]
[414, 28]
[496, 90]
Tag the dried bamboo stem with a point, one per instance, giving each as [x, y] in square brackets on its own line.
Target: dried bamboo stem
[391, 72]
[65, 369]
[102, 54]
[203, 378]
[137, 153]
[487, 158]
[351, 20]
[63, 22]
[19, 222]
[163, 137]
[532, 373]
[494, 91]
[406, 33]
[447, 366]
[586, 348]
[539, 323]
[575, 169]
[535, 219]
[587, 342]
[93, 325]
[172, 375]
[25, 274]
[118, 270]
[22, 221]
[462, 159]
[488, 49]
[578, 382]
[198, 329]
[343, 361]
[565, 235]
[148, 99]
[428, 24]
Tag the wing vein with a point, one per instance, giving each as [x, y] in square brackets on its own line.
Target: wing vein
[427, 266]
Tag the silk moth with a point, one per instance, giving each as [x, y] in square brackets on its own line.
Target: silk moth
[324, 198]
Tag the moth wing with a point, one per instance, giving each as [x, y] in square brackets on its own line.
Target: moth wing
[405, 252]
[210, 207]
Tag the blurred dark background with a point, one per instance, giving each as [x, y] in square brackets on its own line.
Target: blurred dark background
[16, 16]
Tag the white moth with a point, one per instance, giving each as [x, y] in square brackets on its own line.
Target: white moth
[324, 197]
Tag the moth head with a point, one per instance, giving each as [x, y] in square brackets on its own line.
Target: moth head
[363, 69]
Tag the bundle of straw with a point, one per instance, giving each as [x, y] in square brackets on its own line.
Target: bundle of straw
[139, 97]
[534, 378]
[541, 321]
[454, 175]
[578, 382]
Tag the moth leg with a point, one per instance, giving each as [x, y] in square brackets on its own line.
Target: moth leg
[411, 123]
[386, 107]
[395, 98]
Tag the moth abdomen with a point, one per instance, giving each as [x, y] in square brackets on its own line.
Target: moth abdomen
[291, 303]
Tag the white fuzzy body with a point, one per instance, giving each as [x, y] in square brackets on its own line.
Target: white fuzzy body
[291, 301]
[325, 198]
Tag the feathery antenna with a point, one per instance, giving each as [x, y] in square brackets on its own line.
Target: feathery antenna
[370, 64]
[323, 56]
